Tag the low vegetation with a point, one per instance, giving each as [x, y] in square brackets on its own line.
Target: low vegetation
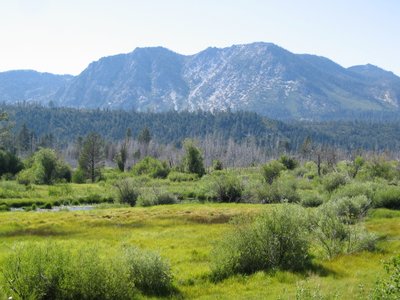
[184, 229]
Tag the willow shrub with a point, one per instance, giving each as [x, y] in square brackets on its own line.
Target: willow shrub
[62, 271]
[274, 240]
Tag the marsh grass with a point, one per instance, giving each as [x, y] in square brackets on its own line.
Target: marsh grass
[185, 235]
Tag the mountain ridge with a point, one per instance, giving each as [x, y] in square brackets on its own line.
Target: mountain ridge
[260, 77]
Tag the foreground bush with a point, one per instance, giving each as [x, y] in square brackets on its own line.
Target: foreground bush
[334, 228]
[389, 287]
[53, 271]
[275, 240]
[148, 272]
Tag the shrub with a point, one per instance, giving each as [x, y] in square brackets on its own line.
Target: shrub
[193, 160]
[44, 168]
[151, 167]
[333, 180]
[78, 176]
[336, 235]
[355, 166]
[59, 271]
[155, 197]
[389, 287]
[388, 197]
[48, 205]
[148, 272]
[179, 176]
[272, 170]
[379, 167]
[274, 240]
[89, 276]
[217, 165]
[226, 188]
[354, 189]
[128, 191]
[9, 163]
[4, 207]
[350, 209]
[277, 192]
[32, 271]
[289, 162]
[312, 199]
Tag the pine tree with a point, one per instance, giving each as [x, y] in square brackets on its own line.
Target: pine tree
[24, 139]
[91, 158]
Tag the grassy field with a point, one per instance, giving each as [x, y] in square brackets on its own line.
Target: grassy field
[185, 234]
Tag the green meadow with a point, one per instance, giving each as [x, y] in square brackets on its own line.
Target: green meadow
[187, 232]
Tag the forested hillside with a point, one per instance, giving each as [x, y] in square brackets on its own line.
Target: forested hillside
[65, 125]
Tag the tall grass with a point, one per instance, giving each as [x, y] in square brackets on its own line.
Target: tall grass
[67, 271]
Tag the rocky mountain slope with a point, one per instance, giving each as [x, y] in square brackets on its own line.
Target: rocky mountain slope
[260, 77]
[30, 86]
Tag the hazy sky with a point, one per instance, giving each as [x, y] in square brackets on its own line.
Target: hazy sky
[64, 36]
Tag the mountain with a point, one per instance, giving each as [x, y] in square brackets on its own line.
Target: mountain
[30, 86]
[260, 77]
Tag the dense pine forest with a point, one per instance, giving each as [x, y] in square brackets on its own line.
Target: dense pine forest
[59, 127]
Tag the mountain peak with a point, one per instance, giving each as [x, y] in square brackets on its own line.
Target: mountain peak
[260, 77]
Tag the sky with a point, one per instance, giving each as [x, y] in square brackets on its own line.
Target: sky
[64, 36]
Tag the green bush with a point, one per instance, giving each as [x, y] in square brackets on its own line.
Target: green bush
[9, 163]
[193, 160]
[289, 162]
[78, 176]
[59, 271]
[275, 240]
[148, 272]
[44, 167]
[388, 197]
[278, 192]
[48, 205]
[95, 199]
[179, 176]
[32, 271]
[272, 170]
[311, 199]
[354, 189]
[350, 209]
[128, 191]
[335, 234]
[151, 167]
[4, 207]
[153, 196]
[226, 188]
[381, 168]
[90, 276]
[217, 165]
[333, 180]
[389, 287]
